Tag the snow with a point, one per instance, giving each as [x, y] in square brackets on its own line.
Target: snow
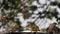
[52, 0]
[45, 23]
[36, 12]
[53, 7]
[58, 10]
[21, 19]
[40, 9]
[42, 1]
[36, 4]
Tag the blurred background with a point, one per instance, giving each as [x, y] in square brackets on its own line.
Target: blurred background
[30, 15]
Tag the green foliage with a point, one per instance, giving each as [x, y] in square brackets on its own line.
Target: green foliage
[33, 8]
[51, 13]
